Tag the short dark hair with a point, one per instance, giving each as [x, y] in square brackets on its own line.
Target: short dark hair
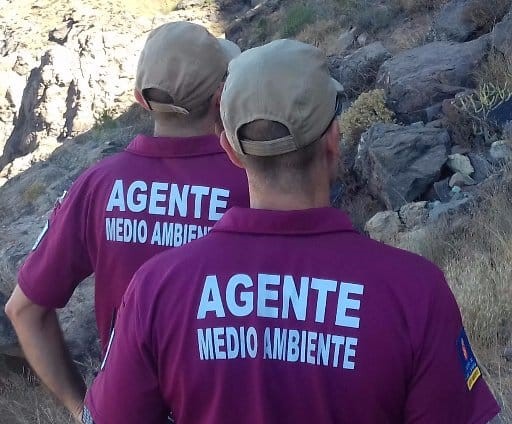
[160, 96]
[285, 169]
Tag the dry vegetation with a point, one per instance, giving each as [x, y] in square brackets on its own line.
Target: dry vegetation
[484, 14]
[368, 109]
[477, 259]
[23, 400]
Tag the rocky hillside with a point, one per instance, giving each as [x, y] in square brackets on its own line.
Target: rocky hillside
[67, 73]
[427, 126]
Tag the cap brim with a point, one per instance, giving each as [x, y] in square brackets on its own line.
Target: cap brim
[230, 49]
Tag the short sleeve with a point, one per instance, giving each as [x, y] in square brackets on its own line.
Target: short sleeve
[447, 385]
[59, 260]
[127, 388]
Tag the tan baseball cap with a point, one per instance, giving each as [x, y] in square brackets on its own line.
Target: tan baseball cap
[284, 81]
[185, 61]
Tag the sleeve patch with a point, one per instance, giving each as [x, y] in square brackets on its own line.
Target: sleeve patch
[45, 230]
[86, 416]
[467, 360]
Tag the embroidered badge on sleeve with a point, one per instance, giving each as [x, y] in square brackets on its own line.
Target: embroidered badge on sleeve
[467, 360]
[87, 417]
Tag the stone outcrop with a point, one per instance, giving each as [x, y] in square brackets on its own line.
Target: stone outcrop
[399, 163]
[358, 70]
[420, 79]
[66, 69]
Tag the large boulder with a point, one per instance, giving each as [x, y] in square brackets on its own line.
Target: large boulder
[420, 78]
[63, 72]
[399, 163]
[358, 70]
[384, 226]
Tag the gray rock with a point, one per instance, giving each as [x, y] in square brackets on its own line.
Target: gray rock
[425, 76]
[359, 69]
[452, 24]
[447, 210]
[483, 169]
[384, 226]
[14, 92]
[345, 41]
[59, 90]
[414, 214]
[400, 163]
[460, 163]
[362, 39]
[461, 180]
[501, 36]
[501, 150]
[507, 353]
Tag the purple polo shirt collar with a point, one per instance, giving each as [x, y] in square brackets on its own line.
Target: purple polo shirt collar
[263, 221]
[144, 145]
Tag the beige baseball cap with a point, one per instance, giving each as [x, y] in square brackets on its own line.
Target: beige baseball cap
[185, 61]
[284, 81]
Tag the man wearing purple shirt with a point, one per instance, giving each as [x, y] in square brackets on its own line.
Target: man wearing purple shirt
[284, 313]
[161, 192]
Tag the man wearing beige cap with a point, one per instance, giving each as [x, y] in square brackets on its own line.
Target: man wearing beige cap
[291, 316]
[161, 192]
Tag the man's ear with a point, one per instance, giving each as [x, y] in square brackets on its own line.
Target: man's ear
[232, 155]
[217, 95]
[332, 146]
[140, 99]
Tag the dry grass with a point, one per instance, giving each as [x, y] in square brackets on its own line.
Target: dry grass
[496, 69]
[484, 14]
[322, 34]
[477, 260]
[24, 401]
[32, 193]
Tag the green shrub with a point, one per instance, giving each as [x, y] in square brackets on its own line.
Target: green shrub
[368, 109]
[105, 120]
[261, 31]
[477, 105]
[296, 18]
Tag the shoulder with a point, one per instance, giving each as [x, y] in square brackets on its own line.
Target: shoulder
[96, 174]
[390, 258]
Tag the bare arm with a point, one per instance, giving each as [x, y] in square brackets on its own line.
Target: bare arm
[41, 338]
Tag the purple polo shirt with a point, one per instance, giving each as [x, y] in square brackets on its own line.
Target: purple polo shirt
[289, 317]
[157, 194]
